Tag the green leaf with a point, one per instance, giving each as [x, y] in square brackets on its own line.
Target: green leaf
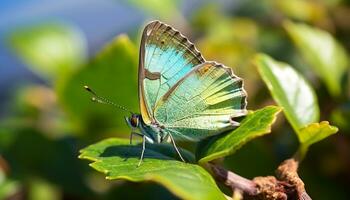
[112, 74]
[50, 50]
[313, 133]
[255, 124]
[316, 132]
[290, 90]
[118, 160]
[324, 54]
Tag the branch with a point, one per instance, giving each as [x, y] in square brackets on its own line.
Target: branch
[287, 185]
[287, 171]
[233, 180]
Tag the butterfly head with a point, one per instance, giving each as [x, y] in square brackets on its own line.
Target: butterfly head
[134, 120]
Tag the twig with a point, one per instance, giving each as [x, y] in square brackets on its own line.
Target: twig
[287, 185]
[233, 180]
[287, 171]
[269, 188]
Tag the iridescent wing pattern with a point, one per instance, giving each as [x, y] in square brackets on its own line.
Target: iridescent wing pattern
[202, 103]
[165, 57]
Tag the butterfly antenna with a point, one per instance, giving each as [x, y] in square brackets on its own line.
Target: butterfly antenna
[102, 100]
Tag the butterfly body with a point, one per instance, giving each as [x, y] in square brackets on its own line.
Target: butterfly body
[182, 96]
[153, 132]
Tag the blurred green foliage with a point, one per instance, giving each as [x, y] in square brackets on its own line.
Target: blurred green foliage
[41, 135]
[113, 73]
[51, 50]
[326, 56]
[164, 9]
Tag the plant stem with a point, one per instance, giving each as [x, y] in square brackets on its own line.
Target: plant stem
[286, 185]
[300, 154]
[287, 171]
[233, 180]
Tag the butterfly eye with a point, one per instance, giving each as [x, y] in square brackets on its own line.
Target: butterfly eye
[134, 121]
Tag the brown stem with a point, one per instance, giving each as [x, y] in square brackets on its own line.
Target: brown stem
[272, 189]
[287, 171]
[233, 180]
[287, 185]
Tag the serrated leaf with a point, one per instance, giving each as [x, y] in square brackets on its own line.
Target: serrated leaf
[316, 132]
[255, 124]
[118, 160]
[50, 50]
[325, 55]
[313, 133]
[290, 90]
[114, 68]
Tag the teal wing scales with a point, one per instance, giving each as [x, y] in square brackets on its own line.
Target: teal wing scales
[202, 103]
[165, 57]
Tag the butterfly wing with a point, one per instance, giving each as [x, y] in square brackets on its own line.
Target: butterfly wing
[202, 103]
[165, 57]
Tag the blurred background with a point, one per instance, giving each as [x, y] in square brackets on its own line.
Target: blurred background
[50, 49]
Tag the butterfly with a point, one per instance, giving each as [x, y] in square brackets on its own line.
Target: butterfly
[182, 96]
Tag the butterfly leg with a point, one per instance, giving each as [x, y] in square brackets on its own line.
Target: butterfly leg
[177, 150]
[131, 134]
[143, 149]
